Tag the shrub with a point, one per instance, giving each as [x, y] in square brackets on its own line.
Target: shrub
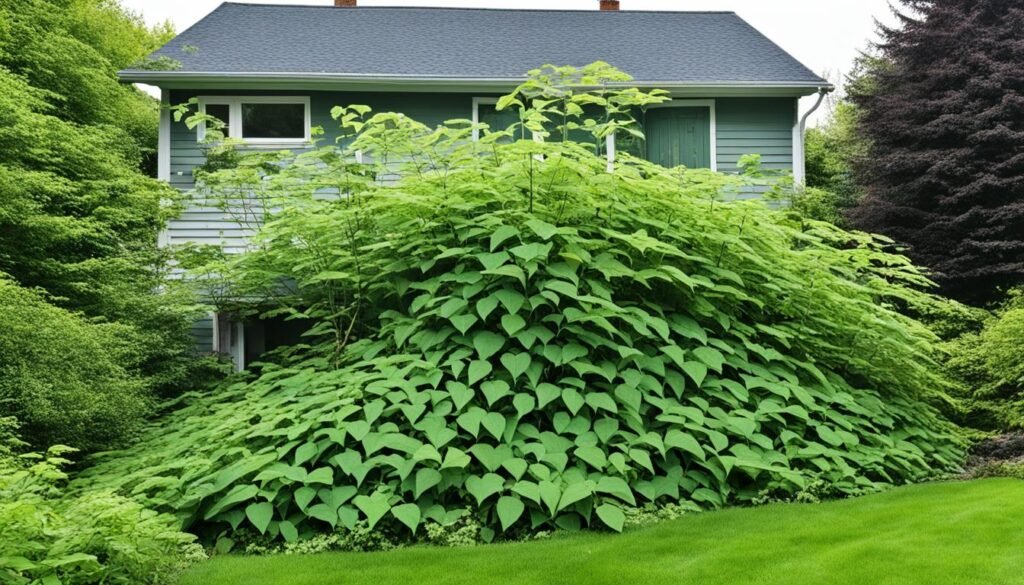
[510, 333]
[56, 537]
[990, 368]
[66, 379]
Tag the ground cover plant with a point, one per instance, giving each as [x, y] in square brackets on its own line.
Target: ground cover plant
[912, 536]
[54, 537]
[506, 332]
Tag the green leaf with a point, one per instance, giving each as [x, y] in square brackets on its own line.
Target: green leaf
[573, 400]
[288, 531]
[679, 440]
[501, 234]
[612, 516]
[486, 306]
[592, 455]
[711, 357]
[483, 487]
[239, 493]
[512, 324]
[487, 343]
[510, 508]
[495, 390]
[546, 393]
[455, 459]
[495, 424]
[408, 514]
[374, 507]
[696, 371]
[324, 513]
[470, 420]
[542, 228]
[478, 370]
[575, 492]
[460, 393]
[516, 364]
[616, 486]
[260, 514]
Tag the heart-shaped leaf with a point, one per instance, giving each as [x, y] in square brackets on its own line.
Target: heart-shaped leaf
[374, 507]
[408, 514]
[510, 508]
[612, 516]
[259, 515]
[516, 364]
[483, 487]
[478, 370]
[495, 390]
[494, 423]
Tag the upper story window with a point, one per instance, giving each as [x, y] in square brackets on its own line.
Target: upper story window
[260, 120]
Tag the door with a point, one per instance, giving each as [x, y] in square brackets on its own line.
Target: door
[679, 136]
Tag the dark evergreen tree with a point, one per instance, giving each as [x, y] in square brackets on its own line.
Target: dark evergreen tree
[943, 109]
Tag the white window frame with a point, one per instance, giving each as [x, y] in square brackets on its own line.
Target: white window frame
[713, 126]
[234, 104]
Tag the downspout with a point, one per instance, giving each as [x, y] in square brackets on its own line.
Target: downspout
[800, 165]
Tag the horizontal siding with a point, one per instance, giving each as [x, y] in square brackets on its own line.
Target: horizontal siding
[202, 332]
[761, 126]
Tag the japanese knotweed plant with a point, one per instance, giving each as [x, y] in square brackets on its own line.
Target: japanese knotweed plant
[506, 330]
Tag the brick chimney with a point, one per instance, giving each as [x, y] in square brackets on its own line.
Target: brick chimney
[610, 5]
[345, 3]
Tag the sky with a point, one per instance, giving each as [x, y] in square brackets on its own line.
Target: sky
[825, 35]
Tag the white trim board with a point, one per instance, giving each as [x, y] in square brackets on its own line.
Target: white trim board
[234, 103]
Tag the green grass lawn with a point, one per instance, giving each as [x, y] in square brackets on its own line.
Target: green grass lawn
[935, 534]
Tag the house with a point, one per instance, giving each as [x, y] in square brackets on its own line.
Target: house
[272, 72]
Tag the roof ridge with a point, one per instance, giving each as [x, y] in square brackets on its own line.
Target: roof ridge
[477, 9]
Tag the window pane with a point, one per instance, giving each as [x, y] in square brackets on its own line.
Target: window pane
[497, 121]
[273, 121]
[223, 113]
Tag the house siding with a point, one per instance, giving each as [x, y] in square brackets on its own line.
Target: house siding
[744, 126]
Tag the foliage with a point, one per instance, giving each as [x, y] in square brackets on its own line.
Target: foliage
[508, 332]
[945, 124]
[831, 152]
[966, 533]
[72, 50]
[54, 537]
[65, 378]
[990, 368]
[78, 218]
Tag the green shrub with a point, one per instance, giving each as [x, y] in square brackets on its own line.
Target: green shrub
[56, 537]
[990, 367]
[66, 379]
[509, 333]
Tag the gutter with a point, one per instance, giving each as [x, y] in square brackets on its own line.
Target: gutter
[800, 164]
[182, 78]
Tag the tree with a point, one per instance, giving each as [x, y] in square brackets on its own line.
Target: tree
[943, 111]
[79, 217]
[831, 152]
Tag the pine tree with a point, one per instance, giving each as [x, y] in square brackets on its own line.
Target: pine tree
[943, 110]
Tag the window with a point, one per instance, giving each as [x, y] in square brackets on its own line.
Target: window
[267, 121]
[485, 111]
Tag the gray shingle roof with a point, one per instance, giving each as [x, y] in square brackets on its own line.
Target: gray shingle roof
[486, 44]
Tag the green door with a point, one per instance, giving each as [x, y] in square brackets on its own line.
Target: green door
[679, 136]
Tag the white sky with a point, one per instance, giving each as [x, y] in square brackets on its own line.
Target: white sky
[825, 35]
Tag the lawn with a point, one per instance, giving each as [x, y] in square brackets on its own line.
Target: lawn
[942, 533]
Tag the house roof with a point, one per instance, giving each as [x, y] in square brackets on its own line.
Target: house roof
[255, 42]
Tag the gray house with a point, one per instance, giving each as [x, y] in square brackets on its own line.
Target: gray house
[272, 72]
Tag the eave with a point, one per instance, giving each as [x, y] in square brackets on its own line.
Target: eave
[404, 83]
